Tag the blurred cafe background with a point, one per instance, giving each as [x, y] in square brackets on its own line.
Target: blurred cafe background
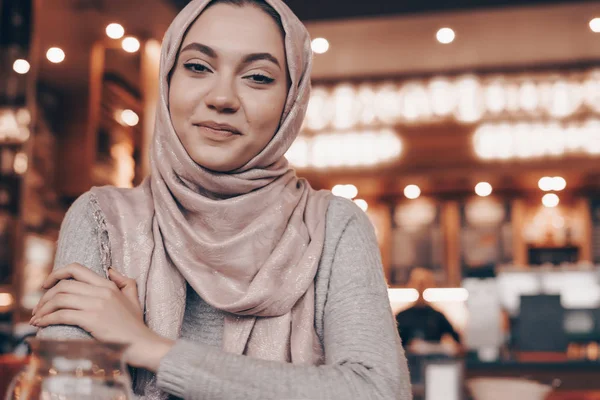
[468, 131]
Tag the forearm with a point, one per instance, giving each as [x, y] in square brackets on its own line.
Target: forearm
[79, 242]
[196, 371]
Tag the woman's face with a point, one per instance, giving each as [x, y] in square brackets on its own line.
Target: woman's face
[228, 86]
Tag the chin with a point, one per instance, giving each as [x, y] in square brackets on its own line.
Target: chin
[216, 165]
[220, 157]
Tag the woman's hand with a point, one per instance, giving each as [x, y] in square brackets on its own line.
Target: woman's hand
[108, 309]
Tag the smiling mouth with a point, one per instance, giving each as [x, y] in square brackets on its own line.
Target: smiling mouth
[217, 132]
[217, 127]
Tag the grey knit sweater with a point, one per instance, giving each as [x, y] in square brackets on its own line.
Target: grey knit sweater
[363, 355]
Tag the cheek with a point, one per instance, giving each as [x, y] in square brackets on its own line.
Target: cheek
[182, 101]
[264, 114]
[175, 101]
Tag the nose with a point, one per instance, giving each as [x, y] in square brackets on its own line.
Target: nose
[223, 96]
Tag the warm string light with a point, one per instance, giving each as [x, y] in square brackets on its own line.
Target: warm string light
[466, 99]
[506, 141]
[345, 149]
[431, 295]
[548, 184]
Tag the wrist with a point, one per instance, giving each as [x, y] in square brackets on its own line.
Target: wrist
[149, 352]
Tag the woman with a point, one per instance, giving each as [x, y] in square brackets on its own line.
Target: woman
[252, 285]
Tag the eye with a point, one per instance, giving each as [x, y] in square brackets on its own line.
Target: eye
[196, 67]
[260, 79]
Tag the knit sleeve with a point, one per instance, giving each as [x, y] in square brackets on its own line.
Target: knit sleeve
[82, 240]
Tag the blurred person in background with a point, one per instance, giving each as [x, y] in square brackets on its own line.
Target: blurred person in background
[423, 329]
[227, 275]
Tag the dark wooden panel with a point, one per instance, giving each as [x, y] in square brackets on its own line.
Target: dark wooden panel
[334, 9]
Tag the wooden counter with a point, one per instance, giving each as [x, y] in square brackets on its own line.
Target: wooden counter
[573, 375]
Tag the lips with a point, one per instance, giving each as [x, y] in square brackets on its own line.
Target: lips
[218, 127]
[217, 132]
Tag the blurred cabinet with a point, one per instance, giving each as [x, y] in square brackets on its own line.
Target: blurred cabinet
[417, 239]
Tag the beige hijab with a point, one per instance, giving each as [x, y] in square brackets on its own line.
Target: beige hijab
[248, 242]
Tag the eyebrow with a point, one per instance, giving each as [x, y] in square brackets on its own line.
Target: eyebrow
[210, 52]
[261, 56]
[201, 48]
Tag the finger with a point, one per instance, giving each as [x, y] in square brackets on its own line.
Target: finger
[128, 286]
[118, 278]
[69, 286]
[77, 272]
[64, 317]
[65, 301]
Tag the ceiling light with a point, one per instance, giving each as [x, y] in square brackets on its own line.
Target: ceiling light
[320, 45]
[595, 25]
[435, 295]
[6, 299]
[128, 118]
[362, 204]
[546, 184]
[397, 295]
[20, 163]
[483, 189]
[55, 55]
[21, 66]
[412, 192]
[345, 191]
[550, 200]
[445, 35]
[555, 184]
[558, 183]
[130, 44]
[115, 31]
[23, 117]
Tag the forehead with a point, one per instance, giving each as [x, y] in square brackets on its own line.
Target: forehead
[245, 29]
